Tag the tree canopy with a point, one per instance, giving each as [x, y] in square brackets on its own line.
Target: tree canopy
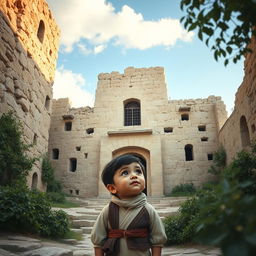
[226, 26]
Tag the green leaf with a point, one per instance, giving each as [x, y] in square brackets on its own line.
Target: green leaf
[226, 62]
[192, 26]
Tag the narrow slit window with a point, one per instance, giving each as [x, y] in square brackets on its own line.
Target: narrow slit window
[85, 155]
[189, 152]
[68, 126]
[47, 102]
[77, 192]
[72, 164]
[204, 139]
[41, 31]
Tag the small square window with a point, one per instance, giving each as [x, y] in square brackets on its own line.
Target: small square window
[201, 128]
[204, 139]
[78, 148]
[184, 117]
[168, 129]
[210, 156]
[90, 130]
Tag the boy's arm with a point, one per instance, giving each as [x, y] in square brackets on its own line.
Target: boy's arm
[156, 250]
[99, 252]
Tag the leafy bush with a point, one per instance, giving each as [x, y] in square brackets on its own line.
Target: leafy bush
[14, 161]
[30, 211]
[184, 190]
[227, 213]
[54, 188]
[56, 197]
[181, 228]
[219, 161]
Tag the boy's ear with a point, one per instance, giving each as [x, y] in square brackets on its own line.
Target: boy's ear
[111, 188]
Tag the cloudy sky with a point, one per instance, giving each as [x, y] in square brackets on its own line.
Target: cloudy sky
[100, 36]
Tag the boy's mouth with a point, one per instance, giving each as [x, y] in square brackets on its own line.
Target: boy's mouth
[134, 182]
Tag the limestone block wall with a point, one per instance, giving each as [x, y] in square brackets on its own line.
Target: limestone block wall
[239, 129]
[159, 140]
[28, 53]
[200, 132]
[144, 84]
[74, 143]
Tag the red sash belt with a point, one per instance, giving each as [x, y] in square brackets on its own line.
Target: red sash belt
[118, 233]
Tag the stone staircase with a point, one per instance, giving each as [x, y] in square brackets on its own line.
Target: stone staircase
[83, 218]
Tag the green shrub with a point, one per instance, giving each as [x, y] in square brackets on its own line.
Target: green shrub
[30, 211]
[227, 213]
[56, 197]
[184, 190]
[181, 228]
[48, 177]
[14, 161]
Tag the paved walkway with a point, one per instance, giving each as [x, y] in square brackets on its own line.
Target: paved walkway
[82, 219]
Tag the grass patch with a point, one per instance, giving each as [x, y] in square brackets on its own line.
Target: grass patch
[66, 204]
[182, 193]
[73, 235]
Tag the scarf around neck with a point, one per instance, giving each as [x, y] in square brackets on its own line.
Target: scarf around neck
[134, 202]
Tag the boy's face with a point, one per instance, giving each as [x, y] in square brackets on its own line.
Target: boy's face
[129, 181]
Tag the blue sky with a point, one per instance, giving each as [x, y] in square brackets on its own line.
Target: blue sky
[103, 36]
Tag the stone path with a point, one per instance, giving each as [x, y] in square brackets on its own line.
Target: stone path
[82, 219]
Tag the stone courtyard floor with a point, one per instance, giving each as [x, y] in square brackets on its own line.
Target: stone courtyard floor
[82, 219]
[16, 244]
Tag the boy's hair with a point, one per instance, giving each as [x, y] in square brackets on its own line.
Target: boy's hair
[110, 169]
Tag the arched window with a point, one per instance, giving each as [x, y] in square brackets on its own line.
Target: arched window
[40, 31]
[55, 153]
[47, 102]
[244, 131]
[34, 181]
[189, 152]
[132, 113]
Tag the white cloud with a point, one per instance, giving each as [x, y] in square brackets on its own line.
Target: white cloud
[99, 48]
[99, 23]
[71, 85]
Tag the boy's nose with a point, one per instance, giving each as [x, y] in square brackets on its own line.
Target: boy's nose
[133, 176]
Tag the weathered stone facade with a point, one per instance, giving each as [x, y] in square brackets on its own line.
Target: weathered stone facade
[28, 53]
[240, 128]
[161, 138]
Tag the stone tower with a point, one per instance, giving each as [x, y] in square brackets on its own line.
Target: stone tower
[175, 139]
[28, 53]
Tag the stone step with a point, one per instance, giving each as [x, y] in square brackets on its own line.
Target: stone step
[77, 230]
[82, 223]
[83, 216]
[86, 230]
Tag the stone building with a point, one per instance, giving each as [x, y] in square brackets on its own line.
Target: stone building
[28, 53]
[175, 139]
[240, 128]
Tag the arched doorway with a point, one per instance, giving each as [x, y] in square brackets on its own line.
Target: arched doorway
[143, 155]
[34, 181]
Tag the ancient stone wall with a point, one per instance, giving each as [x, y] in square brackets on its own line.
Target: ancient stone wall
[239, 129]
[159, 139]
[28, 53]
[199, 132]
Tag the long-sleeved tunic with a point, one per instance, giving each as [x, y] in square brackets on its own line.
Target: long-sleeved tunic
[128, 209]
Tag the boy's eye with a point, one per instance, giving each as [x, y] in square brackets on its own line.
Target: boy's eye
[138, 171]
[124, 173]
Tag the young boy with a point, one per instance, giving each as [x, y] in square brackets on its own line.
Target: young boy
[128, 226]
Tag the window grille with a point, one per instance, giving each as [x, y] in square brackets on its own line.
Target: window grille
[132, 113]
